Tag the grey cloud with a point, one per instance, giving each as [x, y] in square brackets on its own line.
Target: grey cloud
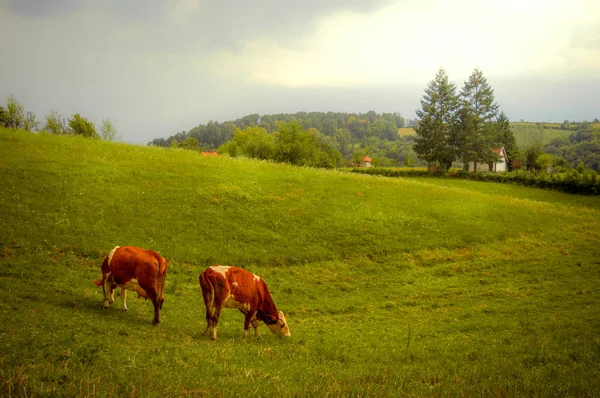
[44, 8]
[127, 61]
[230, 22]
[551, 99]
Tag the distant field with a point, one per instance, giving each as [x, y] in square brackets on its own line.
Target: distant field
[527, 133]
[406, 131]
[391, 286]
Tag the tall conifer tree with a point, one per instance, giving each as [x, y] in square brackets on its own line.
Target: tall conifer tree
[435, 120]
[504, 137]
[478, 115]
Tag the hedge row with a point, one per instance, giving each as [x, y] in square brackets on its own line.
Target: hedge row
[587, 183]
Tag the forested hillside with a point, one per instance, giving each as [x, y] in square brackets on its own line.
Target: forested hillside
[374, 134]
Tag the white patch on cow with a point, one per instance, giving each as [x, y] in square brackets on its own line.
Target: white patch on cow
[124, 298]
[256, 278]
[280, 328]
[231, 302]
[111, 254]
[221, 269]
[108, 293]
[134, 286]
[131, 284]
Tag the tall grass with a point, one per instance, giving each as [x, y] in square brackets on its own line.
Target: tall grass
[391, 286]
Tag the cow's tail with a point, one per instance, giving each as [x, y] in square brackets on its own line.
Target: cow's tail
[162, 275]
[105, 270]
[208, 294]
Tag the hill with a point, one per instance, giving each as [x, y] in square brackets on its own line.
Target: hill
[529, 133]
[390, 286]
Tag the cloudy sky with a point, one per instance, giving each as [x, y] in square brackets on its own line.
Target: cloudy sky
[156, 67]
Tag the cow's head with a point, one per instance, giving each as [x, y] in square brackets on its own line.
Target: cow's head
[280, 327]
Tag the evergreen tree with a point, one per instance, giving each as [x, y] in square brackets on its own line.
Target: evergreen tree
[435, 121]
[504, 137]
[478, 115]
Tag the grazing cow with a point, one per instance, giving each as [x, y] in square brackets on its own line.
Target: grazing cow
[232, 287]
[139, 270]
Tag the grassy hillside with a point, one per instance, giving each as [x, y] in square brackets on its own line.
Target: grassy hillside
[402, 131]
[390, 286]
[529, 133]
[526, 133]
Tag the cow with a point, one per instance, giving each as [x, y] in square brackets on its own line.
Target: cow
[233, 287]
[131, 268]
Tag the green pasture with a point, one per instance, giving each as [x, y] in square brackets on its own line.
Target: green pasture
[528, 133]
[391, 286]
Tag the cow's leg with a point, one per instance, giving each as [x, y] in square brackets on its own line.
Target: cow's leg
[208, 319]
[250, 318]
[107, 288]
[214, 322]
[157, 304]
[255, 326]
[124, 298]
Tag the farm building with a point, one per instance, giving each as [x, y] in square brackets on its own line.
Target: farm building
[499, 166]
[366, 161]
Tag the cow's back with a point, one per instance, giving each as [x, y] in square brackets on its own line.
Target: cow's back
[245, 286]
[147, 267]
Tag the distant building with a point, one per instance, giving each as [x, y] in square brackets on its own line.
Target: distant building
[498, 166]
[366, 161]
[209, 153]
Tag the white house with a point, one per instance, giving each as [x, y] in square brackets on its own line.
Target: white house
[499, 166]
[366, 161]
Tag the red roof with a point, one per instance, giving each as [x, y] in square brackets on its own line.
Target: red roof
[367, 159]
[496, 150]
[211, 153]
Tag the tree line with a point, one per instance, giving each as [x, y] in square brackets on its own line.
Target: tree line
[13, 116]
[462, 126]
[353, 135]
[581, 150]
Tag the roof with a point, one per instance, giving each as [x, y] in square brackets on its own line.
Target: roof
[500, 152]
[366, 159]
[211, 153]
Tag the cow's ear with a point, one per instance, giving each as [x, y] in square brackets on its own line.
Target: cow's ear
[98, 282]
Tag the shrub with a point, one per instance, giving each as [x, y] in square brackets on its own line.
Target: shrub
[586, 183]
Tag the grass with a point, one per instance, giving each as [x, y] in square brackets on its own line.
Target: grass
[401, 287]
[402, 131]
[528, 133]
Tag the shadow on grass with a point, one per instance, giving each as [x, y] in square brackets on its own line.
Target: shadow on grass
[91, 307]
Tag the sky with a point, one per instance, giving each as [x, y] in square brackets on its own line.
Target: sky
[158, 67]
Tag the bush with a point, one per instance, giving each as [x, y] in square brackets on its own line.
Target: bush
[81, 126]
[586, 183]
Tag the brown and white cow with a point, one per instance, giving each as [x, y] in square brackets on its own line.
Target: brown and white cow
[131, 268]
[233, 287]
